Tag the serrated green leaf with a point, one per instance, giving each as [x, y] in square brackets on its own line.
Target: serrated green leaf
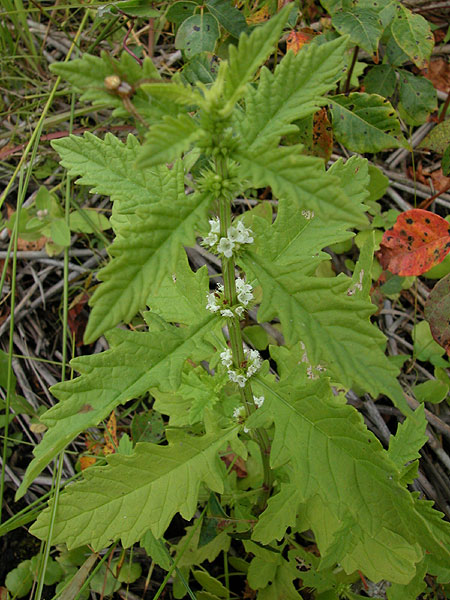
[417, 97]
[413, 589]
[354, 178]
[413, 35]
[363, 25]
[346, 475]
[135, 363]
[281, 513]
[229, 16]
[292, 92]
[136, 488]
[380, 80]
[181, 298]
[107, 166]
[199, 387]
[301, 180]
[366, 123]
[201, 68]
[184, 95]
[404, 446]
[249, 55]
[146, 252]
[88, 75]
[197, 34]
[335, 328]
[168, 139]
[435, 534]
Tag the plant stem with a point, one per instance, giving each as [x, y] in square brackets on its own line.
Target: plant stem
[236, 342]
[350, 71]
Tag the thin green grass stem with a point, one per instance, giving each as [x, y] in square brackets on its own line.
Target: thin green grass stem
[23, 186]
[9, 391]
[65, 300]
[36, 133]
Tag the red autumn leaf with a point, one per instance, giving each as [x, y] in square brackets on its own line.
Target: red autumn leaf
[322, 136]
[418, 241]
[437, 313]
[297, 39]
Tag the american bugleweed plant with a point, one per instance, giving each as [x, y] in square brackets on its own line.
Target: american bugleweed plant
[315, 469]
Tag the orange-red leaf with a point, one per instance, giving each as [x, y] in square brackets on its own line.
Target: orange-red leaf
[87, 461]
[297, 39]
[418, 241]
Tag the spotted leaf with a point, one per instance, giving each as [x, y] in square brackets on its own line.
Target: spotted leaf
[418, 241]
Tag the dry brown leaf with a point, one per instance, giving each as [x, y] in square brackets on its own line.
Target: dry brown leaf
[438, 72]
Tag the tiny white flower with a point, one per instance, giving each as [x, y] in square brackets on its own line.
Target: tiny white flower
[210, 240]
[226, 358]
[233, 234]
[225, 247]
[237, 378]
[215, 225]
[244, 234]
[244, 291]
[211, 303]
[227, 313]
[239, 310]
[255, 362]
[246, 429]
[220, 288]
[258, 401]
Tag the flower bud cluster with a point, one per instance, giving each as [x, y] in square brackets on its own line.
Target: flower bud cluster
[252, 364]
[236, 236]
[215, 301]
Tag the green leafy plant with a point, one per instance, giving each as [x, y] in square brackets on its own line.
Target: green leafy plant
[391, 35]
[314, 471]
[45, 217]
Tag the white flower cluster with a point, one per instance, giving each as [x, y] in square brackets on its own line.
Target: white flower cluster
[215, 300]
[236, 235]
[253, 364]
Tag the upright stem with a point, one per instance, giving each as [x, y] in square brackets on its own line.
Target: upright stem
[237, 349]
[350, 71]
